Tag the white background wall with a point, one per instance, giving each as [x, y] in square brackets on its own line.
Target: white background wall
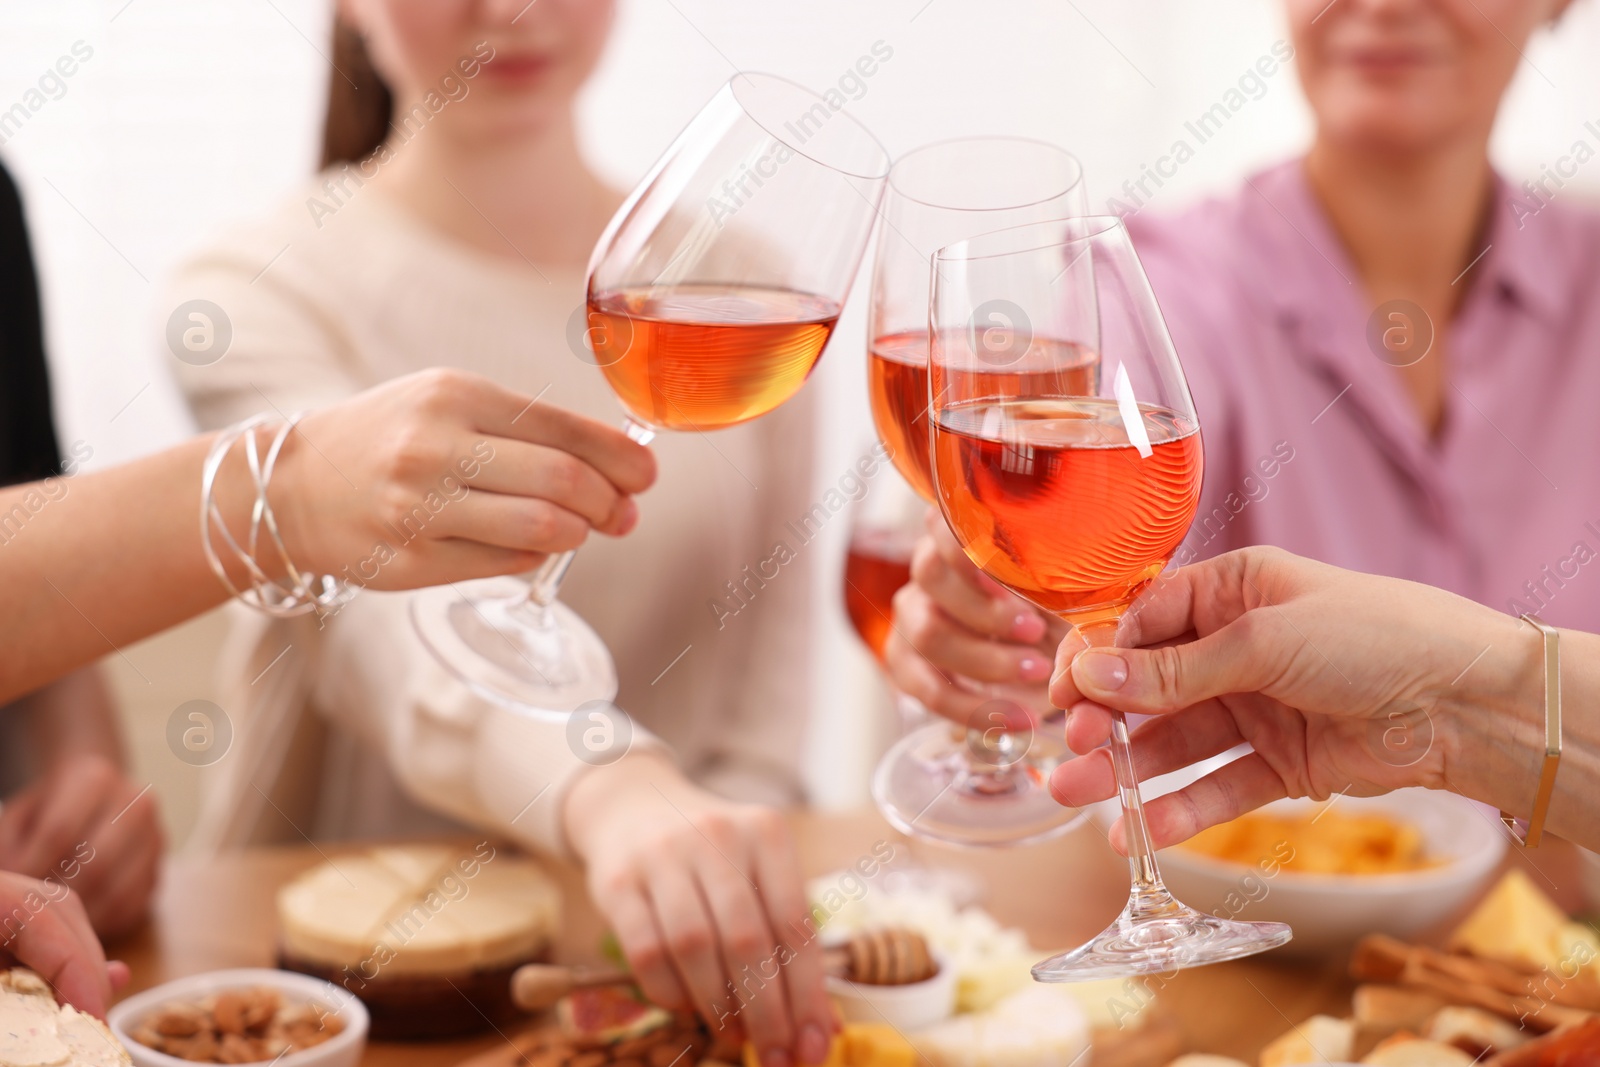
[191, 112]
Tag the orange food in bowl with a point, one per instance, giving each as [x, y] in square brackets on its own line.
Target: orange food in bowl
[1322, 841]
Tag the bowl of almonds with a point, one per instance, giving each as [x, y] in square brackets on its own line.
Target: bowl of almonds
[251, 1015]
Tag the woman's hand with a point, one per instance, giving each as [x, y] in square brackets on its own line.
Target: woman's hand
[86, 824]
[1342, 682]
[43, 927]
[959, 640]
[442, 476]
[707, 901]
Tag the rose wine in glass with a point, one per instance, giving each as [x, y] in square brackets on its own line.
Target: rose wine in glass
[981, 785]
[897, 387]
[701, 357]
[711, 295]
[1075, 496]
[876, 564]
[1064, 509]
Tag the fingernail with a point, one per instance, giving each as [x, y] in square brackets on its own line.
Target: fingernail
[776, 1057]
[1026, 626]
[1033, 669]
[1105, 671]
[627, 516]
[813, 1044]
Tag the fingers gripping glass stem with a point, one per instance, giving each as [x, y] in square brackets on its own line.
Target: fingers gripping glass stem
[1135, 830]
[545, 587]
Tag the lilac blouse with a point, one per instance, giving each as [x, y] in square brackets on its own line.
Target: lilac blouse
[1311, 440]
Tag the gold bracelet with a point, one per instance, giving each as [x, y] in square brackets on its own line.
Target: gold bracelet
[1529, 832]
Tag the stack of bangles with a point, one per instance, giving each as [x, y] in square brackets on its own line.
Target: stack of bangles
[298, 592]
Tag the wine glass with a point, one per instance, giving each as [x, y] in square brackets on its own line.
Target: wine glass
[1074, 492]
[884, 528]
[981, 786]
[711, 294]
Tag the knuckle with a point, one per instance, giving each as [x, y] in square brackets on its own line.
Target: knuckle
[718, 827]
[614, 883]
[921, 628]
[926, 564]
[542, 526]
[746, 942]
[564, 474]
[908, 601]
[690, 941]
[443, 383]
[413, 455]
[96, 771]
[647, 955]
[1167, 666]
[769, 827]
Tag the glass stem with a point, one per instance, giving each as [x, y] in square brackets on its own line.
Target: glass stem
[545, 586]
[1148, 890]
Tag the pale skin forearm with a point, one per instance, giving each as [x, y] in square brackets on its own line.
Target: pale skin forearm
[1495, 720]
[392, 475]
[101, 560]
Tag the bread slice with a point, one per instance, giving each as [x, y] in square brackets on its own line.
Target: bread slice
[35, 1031]
[1205, 1059]
[1383, 1009]
[1474, 1031]
[1409, 1050]
[1319, 1039]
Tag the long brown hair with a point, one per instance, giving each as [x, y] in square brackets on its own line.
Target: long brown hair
[360, 103]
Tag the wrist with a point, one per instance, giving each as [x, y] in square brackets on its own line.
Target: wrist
[234, 495]
[614, 796]
[1492, 717]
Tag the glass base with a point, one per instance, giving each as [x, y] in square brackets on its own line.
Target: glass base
[507, 649]
[1160, 938]
[932, 784]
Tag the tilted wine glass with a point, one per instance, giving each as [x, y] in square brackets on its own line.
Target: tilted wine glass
[1074, 493]
[711, 294]
[983, 786]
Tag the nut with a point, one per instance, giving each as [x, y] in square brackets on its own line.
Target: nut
[236, 1026]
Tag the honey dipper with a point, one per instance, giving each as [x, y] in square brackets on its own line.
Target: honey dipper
[888, 956]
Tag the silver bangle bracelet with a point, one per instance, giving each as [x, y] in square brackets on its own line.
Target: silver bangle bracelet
[301, 592]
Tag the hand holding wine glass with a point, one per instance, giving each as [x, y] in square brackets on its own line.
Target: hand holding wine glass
[541, 479]
[1232, 671]
[954, 625]
[1074, 491]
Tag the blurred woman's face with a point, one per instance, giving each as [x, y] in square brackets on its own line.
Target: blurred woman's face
[500, 65]
[1407, 75]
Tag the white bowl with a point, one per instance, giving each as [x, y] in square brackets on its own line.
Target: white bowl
[904, 1007]
[341, 1050]
[1330, 912]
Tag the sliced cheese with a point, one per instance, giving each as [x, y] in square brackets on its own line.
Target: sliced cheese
[1039, 1026]
[1516, 922]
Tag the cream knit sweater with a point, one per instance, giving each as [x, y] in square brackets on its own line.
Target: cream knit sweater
[322, 305]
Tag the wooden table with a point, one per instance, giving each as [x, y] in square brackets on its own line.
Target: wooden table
[220, 913]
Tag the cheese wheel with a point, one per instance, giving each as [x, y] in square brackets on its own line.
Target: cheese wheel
[419, 910]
